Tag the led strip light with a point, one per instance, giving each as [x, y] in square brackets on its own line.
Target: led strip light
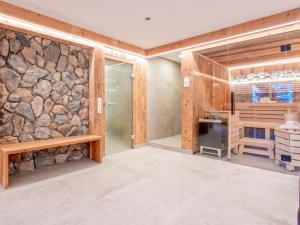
[14, 22]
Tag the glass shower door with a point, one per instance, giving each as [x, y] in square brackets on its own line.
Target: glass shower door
[118, 106]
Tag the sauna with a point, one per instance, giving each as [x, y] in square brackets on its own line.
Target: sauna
[252, 88]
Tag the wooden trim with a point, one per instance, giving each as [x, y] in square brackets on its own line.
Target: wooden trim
[140, 102]
[243, 38]
[262, 23]
[60, 40]
[211, 60]
[251, 47]
[37, 18]
[96, 86]
[121, 58]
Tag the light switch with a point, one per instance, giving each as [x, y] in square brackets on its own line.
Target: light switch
[186, 82]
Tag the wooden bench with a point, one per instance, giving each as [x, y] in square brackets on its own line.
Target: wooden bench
[261, 143]
[9, 149]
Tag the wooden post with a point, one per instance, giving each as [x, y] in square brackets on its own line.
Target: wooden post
[140, 102]
[4, 170]
[187, 110]
[96, 86]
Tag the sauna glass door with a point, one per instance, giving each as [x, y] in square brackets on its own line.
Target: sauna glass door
[118, 106]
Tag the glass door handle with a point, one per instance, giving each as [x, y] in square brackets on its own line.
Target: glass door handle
[110, 103]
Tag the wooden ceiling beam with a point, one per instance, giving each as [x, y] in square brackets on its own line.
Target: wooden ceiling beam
[251, 47]
[254, 54]
[263, 58]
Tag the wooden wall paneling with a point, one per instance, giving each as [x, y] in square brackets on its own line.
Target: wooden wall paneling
[140, 102]
[96, 83]
[217, 92]
[255, 50]
[204, 94]
[251, 46]
[250, 59]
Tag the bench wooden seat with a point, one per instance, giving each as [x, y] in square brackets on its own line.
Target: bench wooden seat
[261, 143]
[9, 149]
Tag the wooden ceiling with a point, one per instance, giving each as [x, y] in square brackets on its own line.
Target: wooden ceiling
[256, 50]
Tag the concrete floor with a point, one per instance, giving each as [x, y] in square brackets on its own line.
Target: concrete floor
[261, 162]
[171, 143]
[150, 186]
[256, 161]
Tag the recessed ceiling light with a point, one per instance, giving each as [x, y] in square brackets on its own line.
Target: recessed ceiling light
[148, 18]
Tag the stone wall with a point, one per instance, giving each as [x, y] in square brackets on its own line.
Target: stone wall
[44, 94]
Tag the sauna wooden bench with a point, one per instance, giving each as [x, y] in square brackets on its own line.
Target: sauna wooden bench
[9, 149]
[265, 143]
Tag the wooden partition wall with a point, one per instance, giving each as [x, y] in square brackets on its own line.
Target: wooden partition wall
[208, 91]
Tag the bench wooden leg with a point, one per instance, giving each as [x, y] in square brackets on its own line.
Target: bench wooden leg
[96, 151]
[289, 168]
[271, 153]
[219, 153]
[241, 149]
[277, 162]
[4, 170]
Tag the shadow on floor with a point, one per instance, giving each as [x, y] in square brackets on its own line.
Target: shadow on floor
[255, 161]
[45, 173]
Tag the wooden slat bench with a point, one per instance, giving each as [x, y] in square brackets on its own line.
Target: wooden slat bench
[9, 149]
[262, 143]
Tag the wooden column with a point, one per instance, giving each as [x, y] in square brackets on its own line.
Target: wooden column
[96, 84]
[140, 102]
[187, 112]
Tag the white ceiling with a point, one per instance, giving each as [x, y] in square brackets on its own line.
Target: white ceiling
[173, 56]
[172, 20]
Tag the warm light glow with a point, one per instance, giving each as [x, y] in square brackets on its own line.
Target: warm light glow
[207, 76]
[265, 81]
[207, 44]
[14, 22]
[267, 63]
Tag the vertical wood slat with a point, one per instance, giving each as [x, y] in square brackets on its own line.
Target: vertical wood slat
[140, 102]
[96, 86]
